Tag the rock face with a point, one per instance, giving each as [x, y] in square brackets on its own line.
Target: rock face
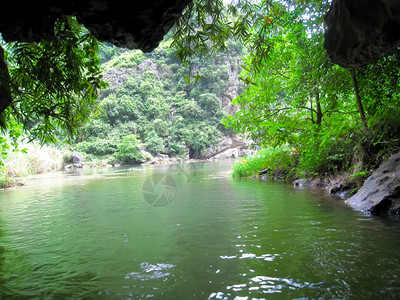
[73, 160]
[380, 193]
[229, 147]
[360, 30]
[141, 24]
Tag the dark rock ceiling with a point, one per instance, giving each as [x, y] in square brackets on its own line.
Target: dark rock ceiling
[136, 24]
[358, 30]
[361, 30]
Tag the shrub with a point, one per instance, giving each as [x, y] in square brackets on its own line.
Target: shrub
[128, 151]
[277, 162]
[154, 143]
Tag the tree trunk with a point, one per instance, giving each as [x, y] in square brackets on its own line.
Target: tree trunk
[311, 110]
[319, 110]
[358, 99]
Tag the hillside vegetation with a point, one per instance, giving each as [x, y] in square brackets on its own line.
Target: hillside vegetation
[154, 102]
[314, 117]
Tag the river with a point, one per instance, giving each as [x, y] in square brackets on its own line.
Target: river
[188, 232]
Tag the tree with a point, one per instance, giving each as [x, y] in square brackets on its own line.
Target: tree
[154, 143]
[54, 84]
[297, 98]
[128, 150]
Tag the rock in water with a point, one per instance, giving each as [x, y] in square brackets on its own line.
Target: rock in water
[380, 193]
[76, 157]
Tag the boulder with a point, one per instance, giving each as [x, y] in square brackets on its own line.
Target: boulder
[316, 183]
[76, 158]
[247, 152]
[302, 182]
[72, 166]
[342, 189]
[227, 154]
[73, 159]
[234, 145]
[146, 155]
[224, 144]
[160, 158]
[380, 193]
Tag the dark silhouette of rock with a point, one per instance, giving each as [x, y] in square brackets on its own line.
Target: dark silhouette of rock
[5, 93]
[140, 24]
[360, 30]
[380, 193]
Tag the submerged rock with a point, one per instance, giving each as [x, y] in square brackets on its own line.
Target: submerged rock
[380, 193]
[342, 189]
[302, 182]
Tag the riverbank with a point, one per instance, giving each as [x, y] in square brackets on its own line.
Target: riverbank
[30, 160]
[374, 190]
[341, 185]
[283, 164]
[49, 160]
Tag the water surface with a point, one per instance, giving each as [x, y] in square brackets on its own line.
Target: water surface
[188, 232]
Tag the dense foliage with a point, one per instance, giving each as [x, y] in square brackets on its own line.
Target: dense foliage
[172, 108]
[274, 162]
[298, 99]
[54, 85]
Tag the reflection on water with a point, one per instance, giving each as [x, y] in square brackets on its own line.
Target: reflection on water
[93, 234]
[150, 272]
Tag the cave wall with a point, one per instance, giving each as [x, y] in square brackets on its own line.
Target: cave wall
[137, 25]
[358, 31]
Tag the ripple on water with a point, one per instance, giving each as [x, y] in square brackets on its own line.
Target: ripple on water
[150, 281]
[150, 272]
[265, 257]
[96, 237]
[261, 285]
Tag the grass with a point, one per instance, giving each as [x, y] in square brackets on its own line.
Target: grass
[273, 160]
[37, 160]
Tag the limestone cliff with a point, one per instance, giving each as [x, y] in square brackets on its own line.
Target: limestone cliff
[380, 193]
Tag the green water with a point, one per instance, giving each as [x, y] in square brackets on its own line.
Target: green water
[188, 232]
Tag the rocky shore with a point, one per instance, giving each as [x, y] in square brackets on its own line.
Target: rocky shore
[378, 195]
